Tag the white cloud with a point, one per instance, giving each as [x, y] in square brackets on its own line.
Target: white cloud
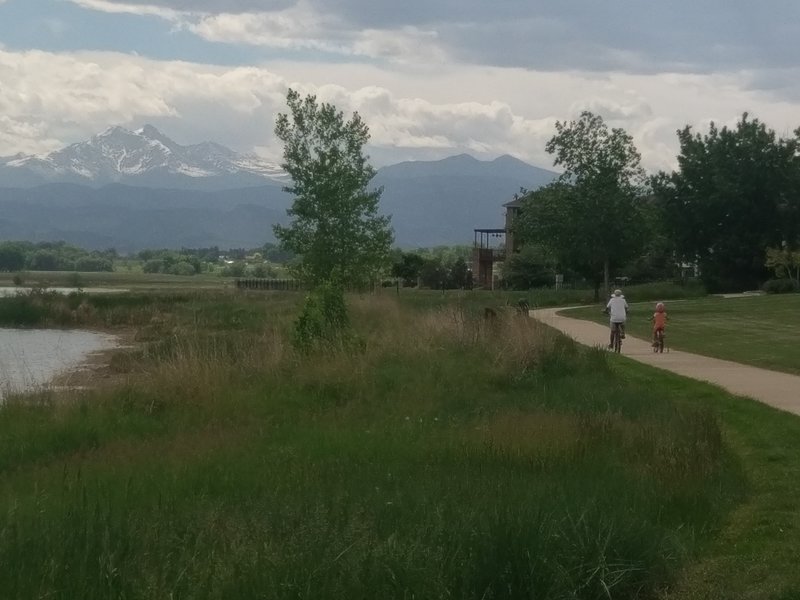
[110, 6]
[303, 27]
[48, 100]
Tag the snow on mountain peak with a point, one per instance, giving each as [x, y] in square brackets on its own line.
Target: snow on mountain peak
[118, 154]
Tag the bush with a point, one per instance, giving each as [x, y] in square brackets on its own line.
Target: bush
[780, 286]
[154, 265]
[183, 268]
[323, 320]
[93, 264]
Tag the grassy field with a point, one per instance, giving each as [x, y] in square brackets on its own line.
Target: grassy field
[453, 457]
[756, 330]
[116, 279]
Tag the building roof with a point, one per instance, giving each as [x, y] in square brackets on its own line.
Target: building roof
[515, 203]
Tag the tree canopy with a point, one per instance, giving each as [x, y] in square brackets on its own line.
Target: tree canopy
[735, 194]
[590, 218]
[336, 228]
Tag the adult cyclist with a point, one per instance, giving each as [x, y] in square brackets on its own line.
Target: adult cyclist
[617, 309]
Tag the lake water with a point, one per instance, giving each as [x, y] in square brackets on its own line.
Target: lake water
[30, 358]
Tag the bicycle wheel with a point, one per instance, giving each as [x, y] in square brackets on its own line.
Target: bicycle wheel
[617, 339]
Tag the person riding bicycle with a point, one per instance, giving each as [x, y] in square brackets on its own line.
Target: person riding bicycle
[617, 309]
[659, 320]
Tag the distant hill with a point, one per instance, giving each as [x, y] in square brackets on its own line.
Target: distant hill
[133, 218]
[133, 190]
[441, 202]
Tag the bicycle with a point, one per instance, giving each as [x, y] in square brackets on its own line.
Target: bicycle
[616, 337]
[658, 345]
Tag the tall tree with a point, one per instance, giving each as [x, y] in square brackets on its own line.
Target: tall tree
[336, 228]
[590, 218]
[735, 194]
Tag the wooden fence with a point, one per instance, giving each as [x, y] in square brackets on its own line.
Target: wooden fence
[282, 285]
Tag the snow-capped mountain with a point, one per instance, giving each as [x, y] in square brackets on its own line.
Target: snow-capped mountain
[145, 157]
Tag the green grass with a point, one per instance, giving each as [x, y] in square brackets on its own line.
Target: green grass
[759, 330]
[475, 301]
[454, 458]
[754, 555]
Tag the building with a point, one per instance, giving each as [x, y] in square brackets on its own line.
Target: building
[492, 246]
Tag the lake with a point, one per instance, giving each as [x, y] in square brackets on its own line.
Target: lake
[30, 358]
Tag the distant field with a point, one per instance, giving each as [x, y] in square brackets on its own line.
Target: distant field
[758, 330]
[132, 279]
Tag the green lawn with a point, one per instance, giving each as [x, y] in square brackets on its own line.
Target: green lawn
[754, 555]
[758, 330]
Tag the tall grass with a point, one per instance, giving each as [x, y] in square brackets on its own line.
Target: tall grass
[451, 456]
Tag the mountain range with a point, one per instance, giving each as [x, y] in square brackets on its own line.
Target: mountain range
[139, 189]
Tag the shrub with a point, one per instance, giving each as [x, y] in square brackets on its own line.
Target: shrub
[323, 320]
[93, 264]
[183, 268]
[155, 265]
[780, 286]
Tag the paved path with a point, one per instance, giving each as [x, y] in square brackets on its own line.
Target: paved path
[780, 390]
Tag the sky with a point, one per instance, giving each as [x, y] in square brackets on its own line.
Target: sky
[431, 78]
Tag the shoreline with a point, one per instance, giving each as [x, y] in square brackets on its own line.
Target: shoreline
[91, 370]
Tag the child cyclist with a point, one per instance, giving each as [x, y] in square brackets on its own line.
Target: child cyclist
[659, 320]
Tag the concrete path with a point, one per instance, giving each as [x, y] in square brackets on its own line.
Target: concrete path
[780, 390]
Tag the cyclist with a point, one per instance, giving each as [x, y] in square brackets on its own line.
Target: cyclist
[659, 320]
[617, 309]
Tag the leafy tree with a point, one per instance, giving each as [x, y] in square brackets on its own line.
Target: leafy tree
[45, 260]
[183, 268]
[736, 192]
[261, 270]
[276, 254]
[458, 273]
[529, 268]
[785, 263]
[407, 267]
[237, 269]
[93, 264]
[590, 218]
[336, 228]
[12, 257]
[154, 265]
[434, 274]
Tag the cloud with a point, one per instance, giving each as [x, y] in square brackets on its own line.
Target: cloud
[150, 9]
[49, 100]
[617, 35]
[302, 27]
[186, 6]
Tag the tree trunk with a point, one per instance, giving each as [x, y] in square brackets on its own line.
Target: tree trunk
[606, 275]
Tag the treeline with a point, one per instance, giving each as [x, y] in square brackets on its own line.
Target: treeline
[729, 212]
[435, 268]
[53, 256]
